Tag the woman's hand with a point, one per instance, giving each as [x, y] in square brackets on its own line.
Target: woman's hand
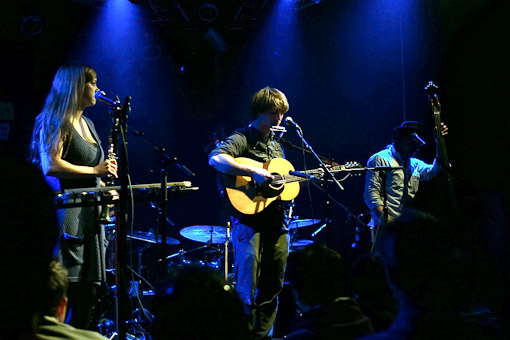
[109, 166]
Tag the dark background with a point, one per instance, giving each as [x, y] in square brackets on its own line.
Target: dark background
[352, 70]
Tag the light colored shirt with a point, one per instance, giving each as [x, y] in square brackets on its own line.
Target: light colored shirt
[397, 193]
[51, 329]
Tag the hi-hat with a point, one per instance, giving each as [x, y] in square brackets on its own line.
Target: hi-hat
[150, 237]
[303, 223]
[205, 233]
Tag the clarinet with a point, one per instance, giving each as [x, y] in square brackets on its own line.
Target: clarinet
[110, 179]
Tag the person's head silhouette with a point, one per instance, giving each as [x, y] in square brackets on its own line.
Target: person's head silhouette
[28, 238]
[197, 303]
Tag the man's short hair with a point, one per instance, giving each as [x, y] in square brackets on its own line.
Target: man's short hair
[56, 289]
[269, 100]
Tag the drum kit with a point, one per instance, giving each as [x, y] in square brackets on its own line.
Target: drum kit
[215, 247]
[212, 237]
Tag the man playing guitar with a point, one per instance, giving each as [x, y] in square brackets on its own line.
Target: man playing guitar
[260, 240]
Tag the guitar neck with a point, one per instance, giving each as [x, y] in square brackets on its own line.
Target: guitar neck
[301, 176]
[441, 143]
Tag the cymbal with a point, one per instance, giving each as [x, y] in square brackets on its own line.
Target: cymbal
[300, 243]
[150, 237]
[303, 223]
[205, 233]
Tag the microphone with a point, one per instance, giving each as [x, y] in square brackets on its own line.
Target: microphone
[290, 122]
[101, 95]
[418, 139]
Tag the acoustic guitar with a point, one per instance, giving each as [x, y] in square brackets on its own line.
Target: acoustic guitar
[249, 198]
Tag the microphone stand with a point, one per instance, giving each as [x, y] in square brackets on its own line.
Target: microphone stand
[165, 160]
[122, 306]
[289, 144]
[328, 173]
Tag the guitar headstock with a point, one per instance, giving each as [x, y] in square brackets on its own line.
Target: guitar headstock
[348, 167]
[431, 89]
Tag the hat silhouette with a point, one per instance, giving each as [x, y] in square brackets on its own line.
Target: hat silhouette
[410, 126]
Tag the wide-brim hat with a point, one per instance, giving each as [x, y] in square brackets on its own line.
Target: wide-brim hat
[410, 126]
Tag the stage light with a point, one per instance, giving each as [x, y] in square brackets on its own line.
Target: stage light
[208, 12]
[215, 40]
[32, 25]
[136, 2]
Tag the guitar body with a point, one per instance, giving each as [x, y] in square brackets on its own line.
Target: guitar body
[250, 199]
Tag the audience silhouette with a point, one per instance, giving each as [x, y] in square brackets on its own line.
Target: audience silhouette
[369, 287]
[196, 303]
[429, 277]
[318, 280]
[28, 238]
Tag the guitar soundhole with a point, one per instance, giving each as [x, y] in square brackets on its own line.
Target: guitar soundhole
[277, 182]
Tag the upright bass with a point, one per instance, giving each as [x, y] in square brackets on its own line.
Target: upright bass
[442, 154]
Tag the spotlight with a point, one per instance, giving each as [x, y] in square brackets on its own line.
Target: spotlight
[208, 12]
[32, 25]
[215, 40]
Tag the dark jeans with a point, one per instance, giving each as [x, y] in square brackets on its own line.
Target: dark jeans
[260, 259]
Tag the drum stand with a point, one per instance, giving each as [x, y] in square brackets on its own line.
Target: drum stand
[212, 235]
[140, 315]
[225, 253]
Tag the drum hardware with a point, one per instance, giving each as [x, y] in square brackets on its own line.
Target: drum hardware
[225, 253]
[297, 223]
[296, 242]
[115, 336]
[212, 236]
[141, 319]
[181, 254]
[137, 287]
[205, 234]
[150, 237]
[319, 230]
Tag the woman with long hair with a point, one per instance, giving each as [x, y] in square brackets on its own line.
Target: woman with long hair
[66, 147]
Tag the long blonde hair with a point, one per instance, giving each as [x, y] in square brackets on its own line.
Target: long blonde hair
[53, 125]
